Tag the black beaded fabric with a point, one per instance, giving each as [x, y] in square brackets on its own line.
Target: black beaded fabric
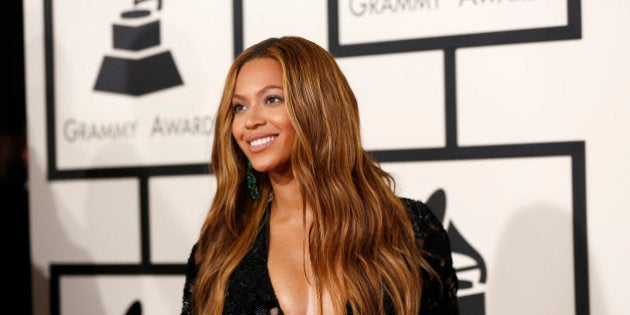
[250, 290]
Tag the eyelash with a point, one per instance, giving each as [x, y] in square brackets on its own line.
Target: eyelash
[271, 99]
[275, 98]
[238, 107]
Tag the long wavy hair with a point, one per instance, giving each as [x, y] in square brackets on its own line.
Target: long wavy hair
[361, 242]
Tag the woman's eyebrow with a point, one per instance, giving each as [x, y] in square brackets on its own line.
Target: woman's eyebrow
[270, 87]
[261, 91]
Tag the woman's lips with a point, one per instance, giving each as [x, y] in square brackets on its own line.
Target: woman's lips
[260, 144]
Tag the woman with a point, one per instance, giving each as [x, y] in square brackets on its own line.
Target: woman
[304, 221]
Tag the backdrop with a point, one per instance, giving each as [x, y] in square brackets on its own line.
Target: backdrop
[508, 117]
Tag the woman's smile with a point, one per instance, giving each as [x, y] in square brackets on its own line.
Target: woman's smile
[260, 144]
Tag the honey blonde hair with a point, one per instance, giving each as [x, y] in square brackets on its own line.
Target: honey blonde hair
[361, 241]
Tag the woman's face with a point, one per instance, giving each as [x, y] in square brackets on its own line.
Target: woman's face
[261, 124]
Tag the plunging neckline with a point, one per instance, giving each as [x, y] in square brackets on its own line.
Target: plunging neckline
[266, 236]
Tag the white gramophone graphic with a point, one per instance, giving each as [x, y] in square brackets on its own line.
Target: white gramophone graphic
[137, 65]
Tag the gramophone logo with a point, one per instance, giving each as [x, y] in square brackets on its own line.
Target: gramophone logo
[137, 65]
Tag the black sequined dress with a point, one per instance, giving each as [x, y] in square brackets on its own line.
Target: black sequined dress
[250, 291]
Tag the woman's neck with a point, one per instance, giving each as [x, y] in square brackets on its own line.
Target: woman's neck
[287, 201]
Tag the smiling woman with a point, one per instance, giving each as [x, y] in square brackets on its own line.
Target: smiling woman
[304, 220]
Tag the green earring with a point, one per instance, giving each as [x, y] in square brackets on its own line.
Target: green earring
[251, 182]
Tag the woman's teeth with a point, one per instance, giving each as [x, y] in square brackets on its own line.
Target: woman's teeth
[262, 141]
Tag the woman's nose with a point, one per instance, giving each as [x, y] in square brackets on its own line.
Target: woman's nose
[254, 117]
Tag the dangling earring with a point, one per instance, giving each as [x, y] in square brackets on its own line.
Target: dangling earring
[251, 182]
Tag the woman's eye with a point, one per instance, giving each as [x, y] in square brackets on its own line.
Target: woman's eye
[273, 99]
[238, 108]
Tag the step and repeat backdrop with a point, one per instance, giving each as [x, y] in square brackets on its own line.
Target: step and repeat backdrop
[507, 117]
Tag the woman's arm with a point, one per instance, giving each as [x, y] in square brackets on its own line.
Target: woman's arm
[439, 294]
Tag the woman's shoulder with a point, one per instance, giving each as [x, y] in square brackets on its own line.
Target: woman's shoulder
[192, 264]
[425, 222]
[431, 237]
[427, 227]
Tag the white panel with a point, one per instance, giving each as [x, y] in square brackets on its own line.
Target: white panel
[535, 92]
[178, 207]
[97, 295]
[88, 221]
[97, 128]
[263, 19]
[517, 213]
[365, 21]
[401, 98]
